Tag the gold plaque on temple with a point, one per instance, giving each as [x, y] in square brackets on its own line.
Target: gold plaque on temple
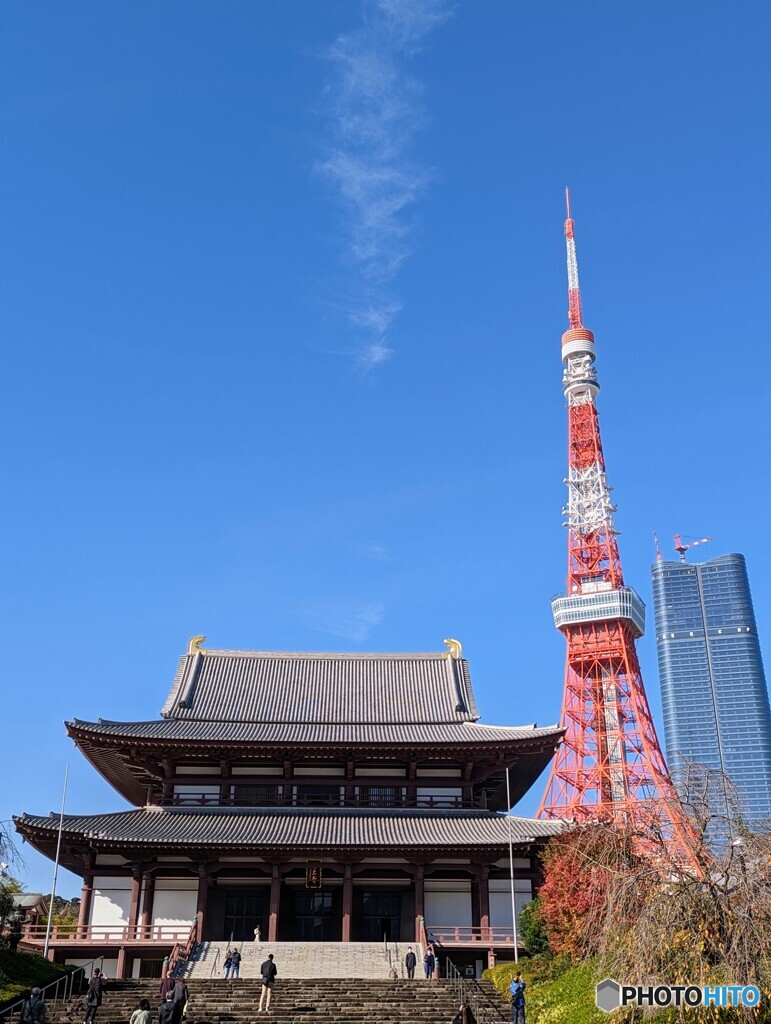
[313, 874]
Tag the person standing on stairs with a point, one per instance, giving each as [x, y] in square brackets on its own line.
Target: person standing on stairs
[268, 972]
[235, 959]
[181, 997]
[142, 1014]
[410, 962]
[166, 1009]
[429, 963]
[93, 997]
[227, 965]
[465, 1015]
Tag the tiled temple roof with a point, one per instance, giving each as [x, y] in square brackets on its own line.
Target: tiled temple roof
[264, 704]
[270, 686]
[287, 828]
[317, 732]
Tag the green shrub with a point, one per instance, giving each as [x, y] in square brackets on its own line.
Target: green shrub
[531, 928]
[22, 971]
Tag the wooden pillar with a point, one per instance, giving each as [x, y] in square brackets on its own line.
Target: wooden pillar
[275, 896]
[86, 895]
[350, 783]
[225, 798]
[419, 902]
[484, 903]
[203, 892]
[120, 970]
[475, 901]
[347, 902]
[167, 787]
[136, 890]
[147, 906]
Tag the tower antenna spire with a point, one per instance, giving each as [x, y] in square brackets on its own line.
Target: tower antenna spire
[574, 291]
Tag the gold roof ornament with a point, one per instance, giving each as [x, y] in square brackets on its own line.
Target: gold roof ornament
[194, 645]
[456, 649]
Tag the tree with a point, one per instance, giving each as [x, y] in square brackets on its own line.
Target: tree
[628, 899]
[8, 884]
[532, 928]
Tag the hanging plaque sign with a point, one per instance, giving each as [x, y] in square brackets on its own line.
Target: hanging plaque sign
[313, 878]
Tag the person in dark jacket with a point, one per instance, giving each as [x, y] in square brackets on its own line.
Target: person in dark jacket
[33, 1010]
[167, 984]
[268, 972]
[181, 997]
[93, 998]
[410, 961]
[429, 963]
[166, 1009]
[235, 961]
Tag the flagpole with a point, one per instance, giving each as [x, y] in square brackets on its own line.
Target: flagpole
[56, 863]
[511, 872]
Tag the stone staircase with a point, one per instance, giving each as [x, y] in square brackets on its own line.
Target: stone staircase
[298, 960]
[296, 1001]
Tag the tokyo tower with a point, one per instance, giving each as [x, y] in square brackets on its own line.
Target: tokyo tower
[609, 766]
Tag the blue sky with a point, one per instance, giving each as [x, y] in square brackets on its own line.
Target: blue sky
[281, 294]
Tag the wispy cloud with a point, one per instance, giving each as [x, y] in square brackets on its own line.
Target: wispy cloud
[373, 549]
[351, 620]
[375, 114]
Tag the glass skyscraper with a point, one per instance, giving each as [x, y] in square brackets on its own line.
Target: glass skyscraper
[713, 688]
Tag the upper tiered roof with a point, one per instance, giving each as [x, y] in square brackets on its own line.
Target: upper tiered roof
[255, 705]
[271, 686]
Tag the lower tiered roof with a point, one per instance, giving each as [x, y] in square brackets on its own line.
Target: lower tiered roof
[294, 831]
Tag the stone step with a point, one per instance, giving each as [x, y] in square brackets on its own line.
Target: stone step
[323, 1001]
[302, 959]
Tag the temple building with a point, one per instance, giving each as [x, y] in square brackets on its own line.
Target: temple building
[317, 797]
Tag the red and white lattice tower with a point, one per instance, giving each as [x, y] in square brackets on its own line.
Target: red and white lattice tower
[609, 766]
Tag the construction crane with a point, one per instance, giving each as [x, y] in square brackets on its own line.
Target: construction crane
[682, 547]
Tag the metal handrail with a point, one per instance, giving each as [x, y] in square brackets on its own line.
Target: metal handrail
[483, 1011]
[69, 982]
[214, 964]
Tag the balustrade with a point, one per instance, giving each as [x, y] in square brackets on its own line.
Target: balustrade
[464, 935]
[246, 798]
[107, 933]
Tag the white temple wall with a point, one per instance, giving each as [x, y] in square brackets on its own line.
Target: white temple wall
[175, 901]
[447, 903]
[500, 899]
[111, 902]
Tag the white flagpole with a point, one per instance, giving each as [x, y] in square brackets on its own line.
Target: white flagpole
[511, 872]
[56, 863]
